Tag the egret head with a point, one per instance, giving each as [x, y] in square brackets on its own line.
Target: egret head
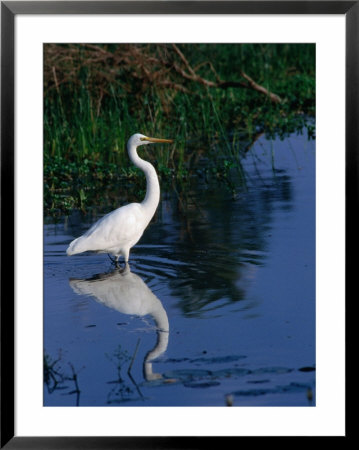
[140, 139]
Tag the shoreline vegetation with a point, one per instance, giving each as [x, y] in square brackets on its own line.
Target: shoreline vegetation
[214, 100]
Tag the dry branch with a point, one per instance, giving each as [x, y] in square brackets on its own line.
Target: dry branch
[220, 83]
[135, 68]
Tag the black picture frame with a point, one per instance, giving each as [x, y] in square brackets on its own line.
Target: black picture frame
[9, 9]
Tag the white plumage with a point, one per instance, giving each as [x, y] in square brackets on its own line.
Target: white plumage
[117, 232]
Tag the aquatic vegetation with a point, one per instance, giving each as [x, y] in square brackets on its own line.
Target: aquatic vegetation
[215, 100]
[55, 377]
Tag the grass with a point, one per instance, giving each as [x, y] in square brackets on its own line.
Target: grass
[89, 115]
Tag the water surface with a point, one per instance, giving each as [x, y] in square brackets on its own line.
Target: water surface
[216, 308]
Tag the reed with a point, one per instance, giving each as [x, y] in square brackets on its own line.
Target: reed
[91, 109]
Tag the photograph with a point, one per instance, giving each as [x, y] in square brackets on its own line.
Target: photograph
[178, 191]
[179, 224]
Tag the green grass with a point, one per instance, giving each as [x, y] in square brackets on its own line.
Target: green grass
[88, 117]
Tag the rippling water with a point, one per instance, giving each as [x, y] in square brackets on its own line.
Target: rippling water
[216, 308]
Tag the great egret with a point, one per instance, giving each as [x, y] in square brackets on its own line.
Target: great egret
[121, 229]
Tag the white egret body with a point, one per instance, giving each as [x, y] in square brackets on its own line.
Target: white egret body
[118, 231]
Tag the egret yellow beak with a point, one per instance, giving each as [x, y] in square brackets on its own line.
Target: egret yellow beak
[156, 140]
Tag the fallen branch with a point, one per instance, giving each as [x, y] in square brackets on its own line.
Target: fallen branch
[192, 75]
[257, 87]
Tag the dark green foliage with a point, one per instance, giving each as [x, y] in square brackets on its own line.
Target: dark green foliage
[97, 96]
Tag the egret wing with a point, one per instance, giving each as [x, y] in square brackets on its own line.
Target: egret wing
[116, 229]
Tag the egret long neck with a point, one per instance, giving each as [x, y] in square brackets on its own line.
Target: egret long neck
[152, 198]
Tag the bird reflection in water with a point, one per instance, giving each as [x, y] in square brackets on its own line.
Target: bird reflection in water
[127, 293]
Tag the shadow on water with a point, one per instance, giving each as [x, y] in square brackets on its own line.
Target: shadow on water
[218, 241]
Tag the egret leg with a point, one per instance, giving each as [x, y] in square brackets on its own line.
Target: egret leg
[126, 255]
[114, 261]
